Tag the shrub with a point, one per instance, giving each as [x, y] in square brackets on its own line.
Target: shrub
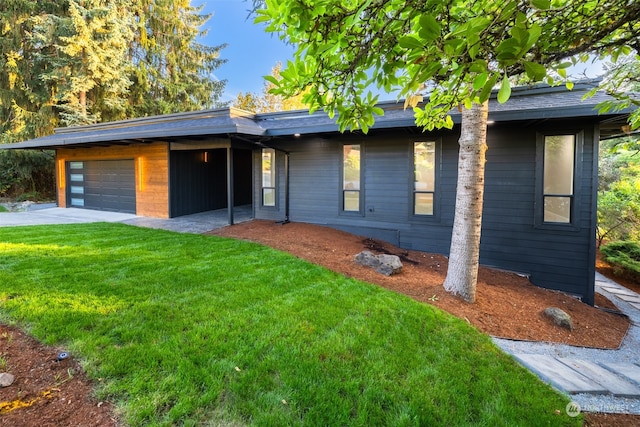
[27, 172]
[625, 258]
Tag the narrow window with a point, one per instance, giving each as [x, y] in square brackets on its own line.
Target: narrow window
[351, 178]
[424, 158]
[268, 177]
[559, 155]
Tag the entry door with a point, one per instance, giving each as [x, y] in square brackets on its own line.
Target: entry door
[107, 185]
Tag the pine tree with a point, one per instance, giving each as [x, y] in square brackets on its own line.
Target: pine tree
[173, 71]
[26, 107]
[88, 48]
[72, 62]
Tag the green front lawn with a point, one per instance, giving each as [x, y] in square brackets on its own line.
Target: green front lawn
[198, 330]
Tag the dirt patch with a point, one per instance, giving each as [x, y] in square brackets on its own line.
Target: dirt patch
[46, 392]
[507, 304]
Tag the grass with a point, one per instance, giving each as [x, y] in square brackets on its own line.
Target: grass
[195, 330]
[3, 209]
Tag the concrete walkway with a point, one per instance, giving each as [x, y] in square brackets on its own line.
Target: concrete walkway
[196, 223]
[596, 380]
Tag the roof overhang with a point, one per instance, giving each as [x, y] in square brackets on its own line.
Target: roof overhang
[539, 102]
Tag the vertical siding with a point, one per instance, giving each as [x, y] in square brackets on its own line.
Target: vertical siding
[196, 185]
[152, 173]
[554, 258]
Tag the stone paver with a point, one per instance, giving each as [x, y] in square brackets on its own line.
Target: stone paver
[618, 291]
[616, 373]
[559, 374]
[615, 384]
[195, 223]
[629, 298]
[629, 370]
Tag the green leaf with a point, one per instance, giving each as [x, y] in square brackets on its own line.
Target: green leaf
[480, 80]
[479, 66]
[569, 85]
[271, 79]
[448, 123]
[488, 87]
[429, 27]
[263, 16]
[505, 90]
[378, 111]
[541, 4]
[508, 48]
[534, 70]
[410, 42]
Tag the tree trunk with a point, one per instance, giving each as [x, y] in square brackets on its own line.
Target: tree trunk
[462, 273]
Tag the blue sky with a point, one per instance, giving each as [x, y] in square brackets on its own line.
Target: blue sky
[250, 51]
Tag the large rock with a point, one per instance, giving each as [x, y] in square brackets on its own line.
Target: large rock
[559, 317]
[384, 264]
[6, 379]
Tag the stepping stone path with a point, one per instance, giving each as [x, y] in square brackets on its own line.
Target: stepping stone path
[574, 376]
[600, 381]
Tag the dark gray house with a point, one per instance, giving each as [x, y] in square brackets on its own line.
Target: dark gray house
[397, 183]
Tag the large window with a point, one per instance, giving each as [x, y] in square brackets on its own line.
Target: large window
[424, 182]
[268, 177]
[351, 178]
[558, 178]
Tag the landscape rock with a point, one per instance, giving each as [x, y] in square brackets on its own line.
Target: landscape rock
[559, 317]
[383, 264]
[6, 379]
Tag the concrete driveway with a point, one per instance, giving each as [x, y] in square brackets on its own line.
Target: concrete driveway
[196, 223]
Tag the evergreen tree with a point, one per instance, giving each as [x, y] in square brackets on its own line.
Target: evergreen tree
[173, 72]
[88, 50]
[26, 106]
[72, 62]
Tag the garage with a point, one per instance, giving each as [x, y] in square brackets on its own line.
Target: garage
[107, 185]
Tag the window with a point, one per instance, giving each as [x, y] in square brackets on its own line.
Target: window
[558, 178]
[268, 177]
[424, 159]
[351, 178]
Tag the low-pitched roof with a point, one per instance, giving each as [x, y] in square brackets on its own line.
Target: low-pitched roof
[526, 103]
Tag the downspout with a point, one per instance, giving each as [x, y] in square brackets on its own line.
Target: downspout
[286, 188]
[590, 295]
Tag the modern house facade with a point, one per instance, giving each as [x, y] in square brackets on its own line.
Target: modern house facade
[396, 183]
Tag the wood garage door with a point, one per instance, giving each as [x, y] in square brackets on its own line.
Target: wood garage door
[107, 185]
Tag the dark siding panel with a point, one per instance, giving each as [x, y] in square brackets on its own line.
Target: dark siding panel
[197, 186]
[557, 259]
[315, 187]
[242, 177]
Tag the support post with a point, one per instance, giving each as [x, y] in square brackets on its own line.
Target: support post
[230, 184]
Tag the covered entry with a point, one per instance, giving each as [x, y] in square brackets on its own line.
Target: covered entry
[201, 175]
[107, 185]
